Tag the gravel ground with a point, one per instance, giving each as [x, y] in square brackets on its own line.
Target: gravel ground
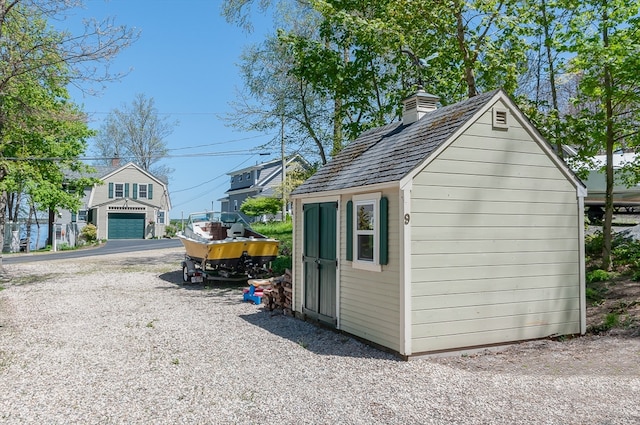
[118, 340]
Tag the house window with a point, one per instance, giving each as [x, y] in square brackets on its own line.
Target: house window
[235, 205]
[119, 190]
[366, 224]
[161, 217]
[142, 191]
[82, 215]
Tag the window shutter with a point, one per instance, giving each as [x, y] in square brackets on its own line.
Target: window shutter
[126, 190]
[135, 191]
[350, 231]
[110, 190]
[74, 217]
[149, 191]
[384, 231]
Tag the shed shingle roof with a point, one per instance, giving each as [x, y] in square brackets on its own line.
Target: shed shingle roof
[386, 154]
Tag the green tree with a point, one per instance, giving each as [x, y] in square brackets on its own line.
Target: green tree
[41, 132]
[255, 207]
[608, 99]
[136, 133]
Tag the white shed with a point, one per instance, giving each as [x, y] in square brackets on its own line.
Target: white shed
[457, 227]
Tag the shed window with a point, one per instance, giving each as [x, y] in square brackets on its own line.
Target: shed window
[365, 230]
[369, 233]
[161, 217]
[142, 191]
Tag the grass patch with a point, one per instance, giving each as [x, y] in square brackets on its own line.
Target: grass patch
[37, 278]
[284, 233]
[277, 230]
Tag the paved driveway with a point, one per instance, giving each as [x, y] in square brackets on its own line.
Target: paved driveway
[117, 246]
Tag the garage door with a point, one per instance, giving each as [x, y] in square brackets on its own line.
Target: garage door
[126, 226]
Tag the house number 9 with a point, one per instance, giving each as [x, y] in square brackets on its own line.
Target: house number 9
[407, 217]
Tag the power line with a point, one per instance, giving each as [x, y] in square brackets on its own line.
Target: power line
[216, 143]
[99, 158]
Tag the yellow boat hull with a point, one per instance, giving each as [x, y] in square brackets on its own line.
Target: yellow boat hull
[228, 251]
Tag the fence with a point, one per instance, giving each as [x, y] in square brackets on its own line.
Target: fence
[15, 235]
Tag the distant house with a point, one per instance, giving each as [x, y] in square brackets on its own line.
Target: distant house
[258, 180]
[456, 227]
[130, 204]
[596, 182]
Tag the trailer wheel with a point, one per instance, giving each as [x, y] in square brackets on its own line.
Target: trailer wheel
[185, 273]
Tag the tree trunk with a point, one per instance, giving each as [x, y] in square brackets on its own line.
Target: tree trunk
[608, 205]
[469, 76]
[552, 79]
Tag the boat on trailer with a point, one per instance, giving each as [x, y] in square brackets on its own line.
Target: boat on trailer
[223, 246]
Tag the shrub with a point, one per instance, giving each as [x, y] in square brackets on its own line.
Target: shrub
[593, 244]
[611, 321]
[625, 251]
[593, 296]
[89, 233]
[170, 230]
[280, 264]
[255, 207]
[598, 276]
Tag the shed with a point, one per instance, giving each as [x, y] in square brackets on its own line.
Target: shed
[457, 227]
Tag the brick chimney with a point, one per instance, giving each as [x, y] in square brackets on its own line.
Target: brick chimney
[115, 161]
[417, 105]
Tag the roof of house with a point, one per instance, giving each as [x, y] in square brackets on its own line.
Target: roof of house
[268, 171]
[386, 154]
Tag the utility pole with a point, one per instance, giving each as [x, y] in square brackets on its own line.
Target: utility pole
[284, 171]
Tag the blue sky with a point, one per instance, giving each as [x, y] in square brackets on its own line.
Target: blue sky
[186, 60]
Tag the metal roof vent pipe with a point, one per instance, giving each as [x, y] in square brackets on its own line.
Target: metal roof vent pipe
[417, 105]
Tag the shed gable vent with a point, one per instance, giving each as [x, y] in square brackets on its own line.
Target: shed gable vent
[416, 106]
[500, 118]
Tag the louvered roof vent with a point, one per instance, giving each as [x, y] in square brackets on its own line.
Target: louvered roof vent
[415, 106]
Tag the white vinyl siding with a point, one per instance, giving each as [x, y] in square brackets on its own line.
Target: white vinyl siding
[494, 245]
[370, 301]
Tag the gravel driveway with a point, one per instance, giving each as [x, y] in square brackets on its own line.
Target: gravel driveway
[118, 340]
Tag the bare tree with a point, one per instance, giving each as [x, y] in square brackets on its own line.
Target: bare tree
[136, 133]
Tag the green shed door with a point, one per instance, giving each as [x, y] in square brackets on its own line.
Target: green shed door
[320, 260]
[126, 226]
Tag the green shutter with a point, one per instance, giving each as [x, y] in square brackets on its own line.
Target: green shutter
[74, 217]
[149, 191]
[350, 231]
[110, 190]
[135, 191]
[384, 231]
[126, 190]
